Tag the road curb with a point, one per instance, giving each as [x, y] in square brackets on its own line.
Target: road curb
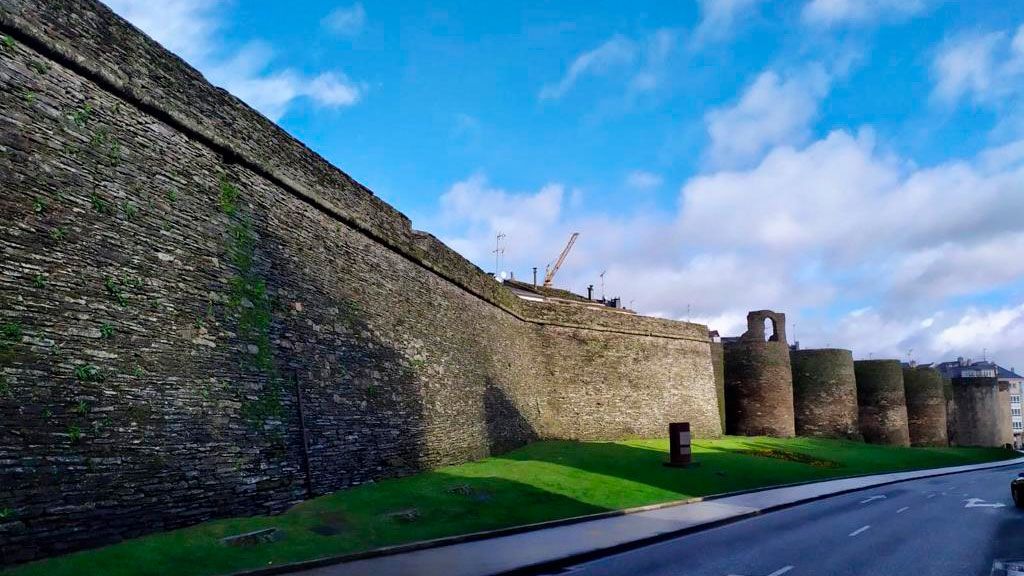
[606, 551]
[640, 543]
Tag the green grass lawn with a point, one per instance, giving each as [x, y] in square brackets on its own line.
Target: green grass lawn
[542, 481]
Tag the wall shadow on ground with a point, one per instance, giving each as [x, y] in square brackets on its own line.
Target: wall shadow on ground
[720, 470]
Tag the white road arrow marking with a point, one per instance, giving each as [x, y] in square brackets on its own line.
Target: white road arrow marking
[980, 503]
[778, 572]
[871, 499]
[860, 530]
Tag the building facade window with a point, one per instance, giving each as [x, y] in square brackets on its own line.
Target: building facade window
[1015, 411]
[1015, 399]
[1017, 425]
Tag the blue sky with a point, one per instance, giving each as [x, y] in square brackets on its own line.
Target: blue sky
[854, 163]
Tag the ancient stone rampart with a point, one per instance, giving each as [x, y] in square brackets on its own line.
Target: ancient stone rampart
[200, 317]
[825, 393]
[759, 379]
[926, 406]
[718, 364]
[947, 391]
[882, 402]
[982, 415]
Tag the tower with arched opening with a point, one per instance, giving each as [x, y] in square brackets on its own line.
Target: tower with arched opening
[759, 379]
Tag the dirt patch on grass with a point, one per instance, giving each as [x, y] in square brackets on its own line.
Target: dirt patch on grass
[329, 524]
[789, 456]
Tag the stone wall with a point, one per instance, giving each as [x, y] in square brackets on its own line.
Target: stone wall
[201, 317]
[759, 379]
[947, 391]
[718, 364]
[926, 406]
[882, 402]
[825, 393]
[982, 415]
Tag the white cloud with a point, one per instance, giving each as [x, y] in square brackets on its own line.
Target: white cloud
[859, 12]
[642, 180]
[616, 52]
[652, 70]
[641, 65]
[985, 68]
[994, 330]
[720, 18]
[184, 27]
[190, 29]
[808, 230]
[773, 110]
[482, 211]
[346, 21]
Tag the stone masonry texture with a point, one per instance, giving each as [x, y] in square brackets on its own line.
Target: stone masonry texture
[982, 415]
[825, 393]
[200, 317]
[882, 402]
[759, 380]
[718, 362]
[926, 406]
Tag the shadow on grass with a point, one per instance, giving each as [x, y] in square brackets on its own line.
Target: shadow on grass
[721, 469]
[422, 507]
[733, 464]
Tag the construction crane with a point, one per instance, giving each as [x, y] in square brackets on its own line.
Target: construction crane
[549, 278]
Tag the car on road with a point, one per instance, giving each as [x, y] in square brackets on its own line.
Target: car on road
[1017, 489]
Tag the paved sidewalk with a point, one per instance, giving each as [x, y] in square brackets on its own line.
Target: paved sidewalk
[519, 551]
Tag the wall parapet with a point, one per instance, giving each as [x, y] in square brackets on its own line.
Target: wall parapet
[78, 34]
[604, 319]
[90, 39]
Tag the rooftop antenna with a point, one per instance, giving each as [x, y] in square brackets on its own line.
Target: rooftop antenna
[498, 253]
[910, 354]
[603, 272]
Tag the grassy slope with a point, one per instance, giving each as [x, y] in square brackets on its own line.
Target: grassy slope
[543, 481]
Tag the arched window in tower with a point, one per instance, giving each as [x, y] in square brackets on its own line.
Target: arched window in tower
[770, 332]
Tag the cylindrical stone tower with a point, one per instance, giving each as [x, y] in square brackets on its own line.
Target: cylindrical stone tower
[926, 406]
[759, 380]
[825, 393]
[982, 412]
[882, 402]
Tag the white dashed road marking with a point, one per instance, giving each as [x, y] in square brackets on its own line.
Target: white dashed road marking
[902, 510]
[872, 499]
[860, 530]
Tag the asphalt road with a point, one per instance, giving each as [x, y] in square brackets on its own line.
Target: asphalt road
[954, 525]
